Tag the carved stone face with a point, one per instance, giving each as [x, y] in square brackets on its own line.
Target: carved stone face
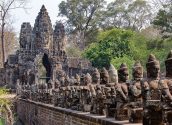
[153, 67]
[58, 66]
[104, 76]
[113, 75]
[137, 73]
[78, 79]
[105, 80]
[153, 71]
[168, 65]
[56, 84]
[123, 75]
[87, 79]
[96, 76]
[168, 69]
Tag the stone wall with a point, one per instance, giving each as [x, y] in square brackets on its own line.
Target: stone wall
[36, 113]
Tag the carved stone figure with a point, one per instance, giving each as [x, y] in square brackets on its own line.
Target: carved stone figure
[31, 77]
[66, 81]
[85, 93]
[60, 74]
[135, 98]
[18, 88]
[77, 80]
[23, 78]
[113, 76]
[110, 101]
[75, 104]
[152, 94]
[104, 77]
[167, 90]
[110, 92]
[68, 97]
[56, 84]
[87, 79]
[100, 101]
[122, 93]
[96, 77]
[56, 93]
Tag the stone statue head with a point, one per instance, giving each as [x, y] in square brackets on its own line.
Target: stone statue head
[108, 92]
[50, 84]
[56, 84]
[113, 74]
[67, 80]
[123, 73]
[58, 66]
[87, 79]
[168, 65]
[104, 76]
[78, 79]
[137, 71]
[96, 76]
[153, 67]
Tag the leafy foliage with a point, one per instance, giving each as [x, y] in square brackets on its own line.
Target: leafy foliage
[82, 17]
[73, 51]
[133, 14]
[112, 44]
[116, 46]
[5, 105]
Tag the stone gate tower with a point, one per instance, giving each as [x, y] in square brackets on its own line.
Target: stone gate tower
[41, 44]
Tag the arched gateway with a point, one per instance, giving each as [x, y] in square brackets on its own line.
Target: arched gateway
[42, 48]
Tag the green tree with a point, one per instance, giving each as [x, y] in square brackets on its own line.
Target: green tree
[5, 106]
[73, 51]
[163, 21]
[83, 17]
[112, 44]
[134, 14]
[5, 7]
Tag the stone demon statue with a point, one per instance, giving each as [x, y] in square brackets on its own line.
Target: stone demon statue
[152, 93]
[135, 98]
[167, 90]
[122, 93]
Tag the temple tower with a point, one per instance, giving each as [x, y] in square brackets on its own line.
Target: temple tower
[25, 36]
[42, 30]
[59, 38]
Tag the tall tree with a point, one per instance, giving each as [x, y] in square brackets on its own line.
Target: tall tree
[5, 7]
[134, 14]
[163, 20]
[83, 17]
[10, 40]
[115, 13]
[113, 44]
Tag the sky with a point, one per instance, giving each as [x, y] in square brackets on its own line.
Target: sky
[29, 15]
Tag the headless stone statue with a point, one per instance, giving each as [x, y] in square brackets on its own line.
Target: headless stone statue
[152, 94]
[98, 105]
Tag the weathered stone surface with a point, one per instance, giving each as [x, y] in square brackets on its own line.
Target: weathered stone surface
[35, 113]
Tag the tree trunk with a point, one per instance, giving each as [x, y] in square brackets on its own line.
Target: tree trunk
[2, 42]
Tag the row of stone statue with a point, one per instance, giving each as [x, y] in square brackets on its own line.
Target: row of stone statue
[111, 93]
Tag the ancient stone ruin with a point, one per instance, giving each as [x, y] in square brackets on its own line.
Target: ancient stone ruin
[42, 50]
[47, 80]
